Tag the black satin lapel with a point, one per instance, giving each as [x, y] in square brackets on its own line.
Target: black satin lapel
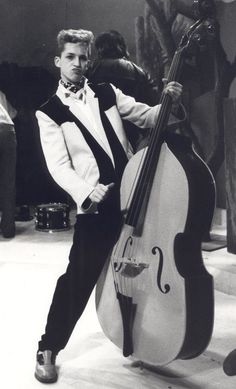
[105, 95]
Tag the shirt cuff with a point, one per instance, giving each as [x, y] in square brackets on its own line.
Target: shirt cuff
[86, 204]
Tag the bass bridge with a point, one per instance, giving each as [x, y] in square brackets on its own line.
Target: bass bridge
[129, 268]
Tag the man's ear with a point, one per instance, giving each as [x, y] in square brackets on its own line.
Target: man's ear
[57, 61]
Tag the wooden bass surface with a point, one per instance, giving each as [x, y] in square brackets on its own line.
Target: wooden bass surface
[155, 298]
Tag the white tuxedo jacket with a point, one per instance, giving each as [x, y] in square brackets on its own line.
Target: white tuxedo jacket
[69, 158]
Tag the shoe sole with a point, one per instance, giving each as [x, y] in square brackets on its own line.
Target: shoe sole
[45, 380]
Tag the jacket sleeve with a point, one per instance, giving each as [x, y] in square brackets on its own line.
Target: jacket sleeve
[58, 160]
[142, 114]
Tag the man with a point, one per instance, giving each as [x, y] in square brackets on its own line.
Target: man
[86, 150]
[114, 66]
[7, 167]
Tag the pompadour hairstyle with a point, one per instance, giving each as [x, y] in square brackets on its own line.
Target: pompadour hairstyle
[74, 36]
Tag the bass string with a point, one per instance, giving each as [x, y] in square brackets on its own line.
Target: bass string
[124, 284]
[125, 277]
[154, 141]
[120, 259]
[118, 262]
[117, 252]
[140, 187]
[152, 149]
[135, 181]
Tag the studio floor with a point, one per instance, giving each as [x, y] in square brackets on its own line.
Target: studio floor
[29, 267]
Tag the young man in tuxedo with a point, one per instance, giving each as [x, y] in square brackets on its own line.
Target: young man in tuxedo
[86, 150]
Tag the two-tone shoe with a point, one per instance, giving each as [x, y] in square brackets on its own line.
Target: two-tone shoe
[45, 370]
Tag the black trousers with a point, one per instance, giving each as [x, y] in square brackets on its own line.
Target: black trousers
[7, 178]
[94, 237]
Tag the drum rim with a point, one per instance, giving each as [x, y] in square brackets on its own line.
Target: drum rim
[52, 204]
[53, 207]
[50, 230]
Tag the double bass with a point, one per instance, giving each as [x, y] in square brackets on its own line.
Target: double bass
[155, 298]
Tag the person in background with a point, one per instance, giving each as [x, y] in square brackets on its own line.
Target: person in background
[112, 64]
[7, 167]
[86, 151]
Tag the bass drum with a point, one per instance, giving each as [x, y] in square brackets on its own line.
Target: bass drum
[52, 217]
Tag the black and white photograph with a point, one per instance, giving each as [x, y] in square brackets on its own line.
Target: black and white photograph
[117, 194]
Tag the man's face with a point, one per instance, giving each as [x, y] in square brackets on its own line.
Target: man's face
[73, 61]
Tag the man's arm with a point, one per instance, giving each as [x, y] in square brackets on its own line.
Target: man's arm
[143, 115]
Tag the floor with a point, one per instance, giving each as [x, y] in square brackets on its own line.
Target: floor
[30, 265]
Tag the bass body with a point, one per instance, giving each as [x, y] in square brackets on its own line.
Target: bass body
[155, 297]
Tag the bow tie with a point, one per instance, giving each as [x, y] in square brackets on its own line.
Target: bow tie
[72, 87]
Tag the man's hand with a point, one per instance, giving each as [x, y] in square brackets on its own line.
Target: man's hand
[174, 89]
[100, 193]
